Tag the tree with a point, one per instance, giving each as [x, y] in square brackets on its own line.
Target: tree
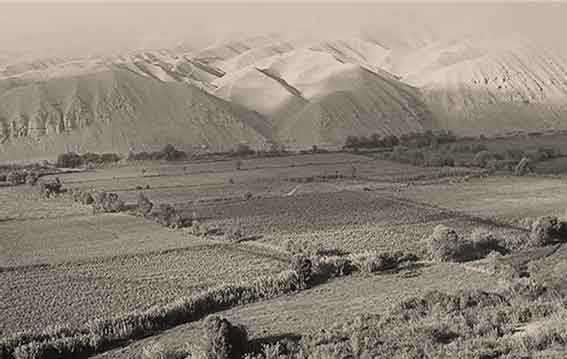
[69, 160]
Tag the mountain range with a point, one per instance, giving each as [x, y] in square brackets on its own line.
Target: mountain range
[279, 88]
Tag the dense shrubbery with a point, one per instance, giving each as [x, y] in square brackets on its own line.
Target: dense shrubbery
[414, 140]
[446, 245]
[168, 216]
[49, 189]
[547, 230]
[143, 205]
[242, 150]
[106, 202]
[74, 160]
[439, 149]
[168, 153]
[372, 261]
[19, 177]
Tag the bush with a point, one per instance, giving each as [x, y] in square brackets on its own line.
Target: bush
[242, 150]
[547, 230]
[333, 266]
[484, 243]
[444, 244]
[303, 266]
[522, 167]
[170, 153]
[372, 261]
[233, 233]
[69, 160]
[481, 158]
[49, 189]
[222, 340]
[144, 205]
[168, 217]
[16, 177]
[105, 202]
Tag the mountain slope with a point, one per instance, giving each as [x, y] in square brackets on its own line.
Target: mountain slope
[316, 97]
[118, 110]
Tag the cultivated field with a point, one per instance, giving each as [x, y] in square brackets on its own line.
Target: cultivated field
[62, 264]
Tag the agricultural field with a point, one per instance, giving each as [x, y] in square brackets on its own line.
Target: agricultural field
[76, 292]
[508, 199]
[62, 264]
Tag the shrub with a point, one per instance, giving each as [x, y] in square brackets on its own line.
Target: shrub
[372, 261]
[483, 243]
[109, 158]
[222, 340]
[16, 177]
[69, 160]
[49, 189]
[170, 153]
[522, 167]
[333, 266]
[481, 158]
[144, 205]
[444, 244]
[105, 202]
[168, 216]
[86, 198]
[32, 177]
[547, 230]
[233, 233]
[242, 150]
[303, 266]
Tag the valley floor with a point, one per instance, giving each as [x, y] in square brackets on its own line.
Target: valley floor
[61, 264]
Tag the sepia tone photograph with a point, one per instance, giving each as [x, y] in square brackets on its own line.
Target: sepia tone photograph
[320, 179]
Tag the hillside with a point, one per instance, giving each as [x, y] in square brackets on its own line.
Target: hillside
[118, 110]
[287, 89]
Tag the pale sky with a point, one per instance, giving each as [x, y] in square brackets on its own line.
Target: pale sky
[82, 27]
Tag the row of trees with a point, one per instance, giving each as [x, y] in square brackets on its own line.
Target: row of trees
[428, 138]
[490, 160]
[75, 160]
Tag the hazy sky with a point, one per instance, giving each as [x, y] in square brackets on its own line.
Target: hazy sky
[81, 27]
